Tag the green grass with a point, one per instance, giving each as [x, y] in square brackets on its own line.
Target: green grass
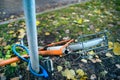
[95, 16]
[85, 18]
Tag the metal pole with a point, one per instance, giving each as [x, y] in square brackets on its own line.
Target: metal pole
[29, 11]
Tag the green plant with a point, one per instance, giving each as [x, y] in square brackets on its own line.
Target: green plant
[11, 71]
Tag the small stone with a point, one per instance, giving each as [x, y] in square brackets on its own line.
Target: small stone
[66, 38]
[27, 68]
[67, 31]
[90, 14]
[88, 29]
[118, 22]
[4, 43]
[86, 20]
[91, 27]
[93, 77]
[110, 25]
[73, 13]
[2, 76]
[4, 12]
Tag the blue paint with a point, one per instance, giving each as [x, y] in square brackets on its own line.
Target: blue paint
[30, 16]
[44, 72]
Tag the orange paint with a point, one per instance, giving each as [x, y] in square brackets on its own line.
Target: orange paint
[41, 52]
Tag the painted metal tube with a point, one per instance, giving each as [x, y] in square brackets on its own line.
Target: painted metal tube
[30, 16]
[80, 45]
[86, 44]
[54, 48]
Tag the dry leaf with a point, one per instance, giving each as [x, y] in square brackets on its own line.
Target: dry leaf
[14, 35]
[21, 30]
[21, 35]
[5, 19]
[101, 20]
[91, 52]
[73, 13]
[98, 60]
[84, 78]
[37, 23]
[97, 29]
[84, 60]
[8, 56]
[117, 65]
[80, 72]
[12, 16]
[23, 23]
[11, 32]
[1, 60]
[69, 74]
[90, 57]
[80, 21]
[15, 78]
[10, 25]
[103, 73]
[96, 56]
[90, 14]
[47, 33]
[110, 44]
[17, 42]
[13, 64]
[116, 48]
[56, 22]
[109, 54]
[93, 60]
[7, 47]
[97, 11]
[59, 68]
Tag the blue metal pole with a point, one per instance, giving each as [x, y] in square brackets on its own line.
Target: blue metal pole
[30, 16]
